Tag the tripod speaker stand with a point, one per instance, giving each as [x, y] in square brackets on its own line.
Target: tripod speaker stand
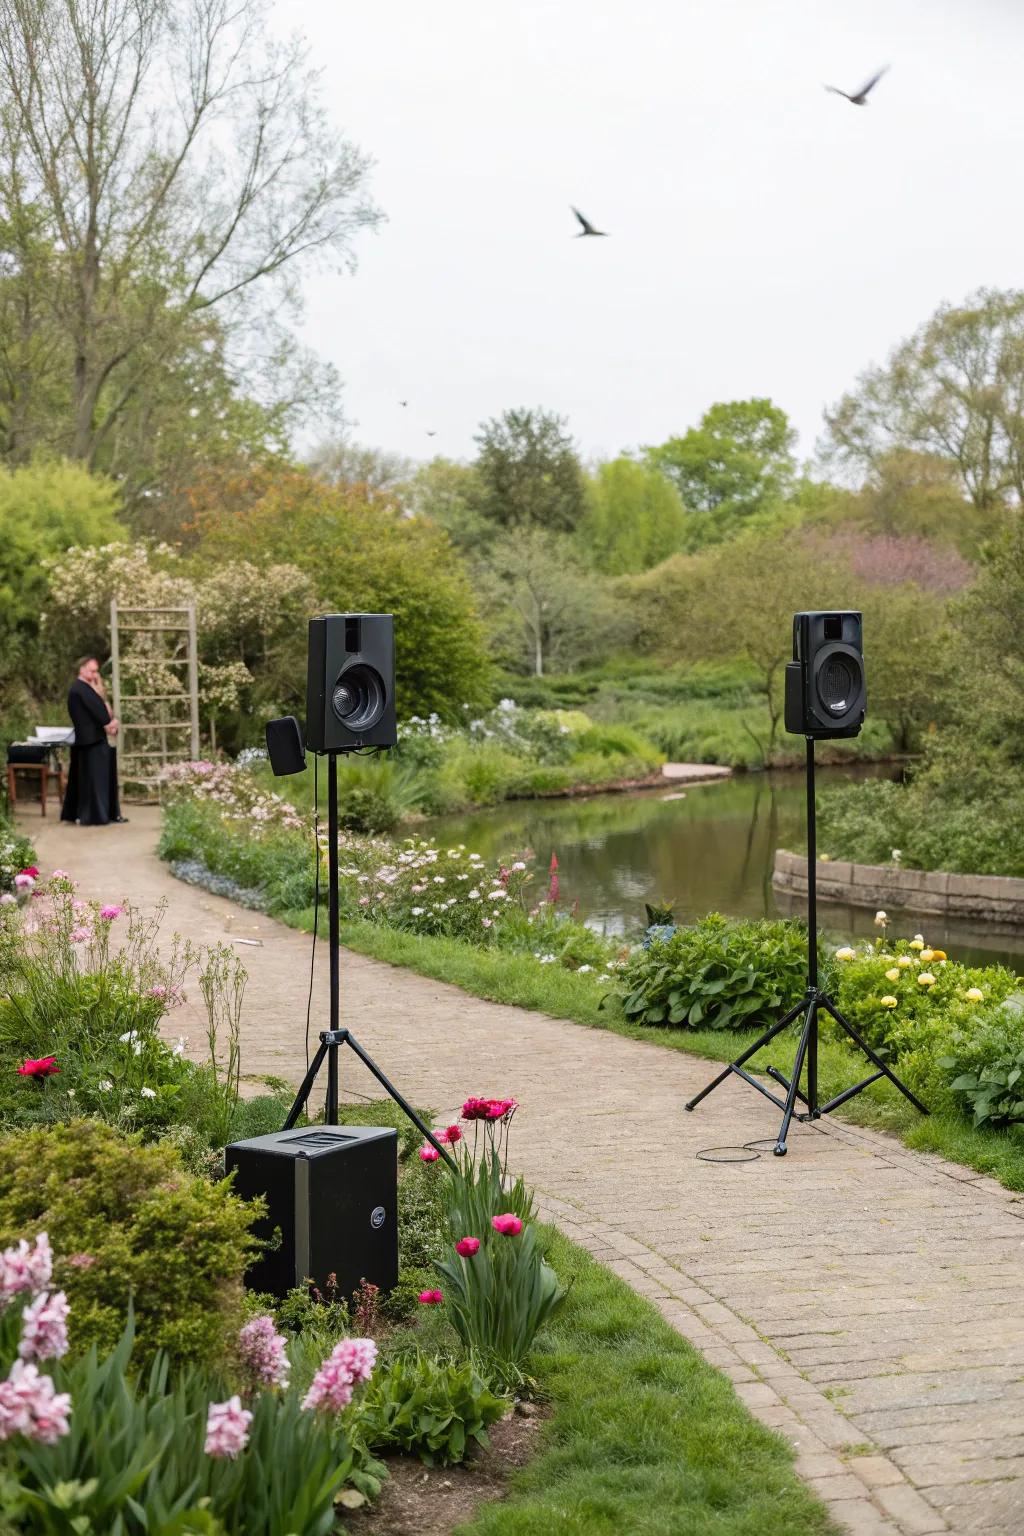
[331, 1040]
[809, 1006]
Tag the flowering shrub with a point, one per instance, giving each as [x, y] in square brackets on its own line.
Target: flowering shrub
[17, 857]
[81, 1019]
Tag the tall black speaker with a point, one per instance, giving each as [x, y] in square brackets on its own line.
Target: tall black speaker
[332, 1193]
[350, 684]
[826, 690]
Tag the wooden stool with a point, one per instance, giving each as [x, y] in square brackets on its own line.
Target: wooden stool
[44, 774]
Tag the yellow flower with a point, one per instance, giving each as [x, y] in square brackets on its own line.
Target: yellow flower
[917, 942]
[974, 994]
[823, 858]
[927, 954]
[905, 960]
[893, 975]
[926, 979]
[887, 1002]
[940, 955]
[881, 918]
[846, 953]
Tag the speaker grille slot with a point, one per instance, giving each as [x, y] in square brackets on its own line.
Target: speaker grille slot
[837, 684]
[318, 1139]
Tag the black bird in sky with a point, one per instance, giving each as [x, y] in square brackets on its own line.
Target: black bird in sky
[860, 98]
[588, 228]
[431, 434]
[403, 402]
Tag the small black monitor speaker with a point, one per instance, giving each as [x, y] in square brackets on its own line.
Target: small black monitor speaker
[284, 746]
[350, 687]
[332, 1194]
[826, 690]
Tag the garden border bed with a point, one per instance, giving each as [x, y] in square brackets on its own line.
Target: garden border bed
[995, 899]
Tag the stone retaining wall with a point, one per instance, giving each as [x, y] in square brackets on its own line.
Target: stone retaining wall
[990, 898]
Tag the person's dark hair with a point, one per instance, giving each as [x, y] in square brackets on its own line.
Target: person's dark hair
[84, 660]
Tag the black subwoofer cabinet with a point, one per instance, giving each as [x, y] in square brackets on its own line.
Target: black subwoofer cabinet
[332, 1190]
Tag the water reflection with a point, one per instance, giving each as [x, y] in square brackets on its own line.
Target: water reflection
[710, 848]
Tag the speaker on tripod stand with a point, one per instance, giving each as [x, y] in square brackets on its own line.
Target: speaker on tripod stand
[826, 698]
[331, 1191]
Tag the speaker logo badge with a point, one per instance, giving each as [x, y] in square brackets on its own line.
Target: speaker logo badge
[378, 1216]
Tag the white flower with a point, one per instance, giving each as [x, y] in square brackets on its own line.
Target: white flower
[896, 855]
[105, 1085]
[474, 894]
[881, 918]
[148, 1093]
[128, 1038]
[519, 864]
[583, 969]
[845, 953]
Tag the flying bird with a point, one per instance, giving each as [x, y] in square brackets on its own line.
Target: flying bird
[403, 402]
[860, 98]
[431, 434]
[588, 228]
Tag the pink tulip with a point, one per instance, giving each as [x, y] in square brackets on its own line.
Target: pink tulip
[508, 1225]
[431, 1298]
[429, 1154]
[467, 1246]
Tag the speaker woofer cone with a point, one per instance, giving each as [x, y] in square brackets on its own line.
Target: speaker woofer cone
[838, 685]
[359, 698]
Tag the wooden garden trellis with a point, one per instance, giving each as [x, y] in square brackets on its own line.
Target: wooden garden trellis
[163, 732]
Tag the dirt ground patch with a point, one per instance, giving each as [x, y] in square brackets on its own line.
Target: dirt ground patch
[432, 1501]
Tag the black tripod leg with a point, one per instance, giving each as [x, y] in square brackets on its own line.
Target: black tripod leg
[761, 1041]
[390, 1088]
[875, 1059]
[810, 1024]
[305, 1090]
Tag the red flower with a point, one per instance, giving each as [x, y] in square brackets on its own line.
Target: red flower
[450, 1135]
[44, 1066]
[467, 1246]
[553, 879]
[488, 1109]
[431, 1298]
[429, 1154]
[508, 1225]
[30, 869]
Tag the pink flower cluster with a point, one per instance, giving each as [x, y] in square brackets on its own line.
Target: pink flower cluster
[350, 1362]
[431, 1298]
[30, 1406]
[44, 1332]
[489, 1109]
[227, 1428]
[108, 913]
[264, 1353]
[25, 1268]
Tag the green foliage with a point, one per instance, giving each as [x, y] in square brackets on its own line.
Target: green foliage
[737, 462]
[499, 1300]
[126, 1222]
[44, 509]
[719, 974]
[528, 472]
[634, 518]
[428, 1408]
[986, 1065]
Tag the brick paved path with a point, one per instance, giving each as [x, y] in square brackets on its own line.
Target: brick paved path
[866, 1301]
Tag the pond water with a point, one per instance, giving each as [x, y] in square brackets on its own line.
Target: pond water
[708, 848]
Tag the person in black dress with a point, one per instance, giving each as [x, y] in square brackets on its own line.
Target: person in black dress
[91, 797]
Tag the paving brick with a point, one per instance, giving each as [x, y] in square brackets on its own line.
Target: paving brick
[892, 1280]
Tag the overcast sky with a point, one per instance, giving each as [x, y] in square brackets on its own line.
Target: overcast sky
[766, 238]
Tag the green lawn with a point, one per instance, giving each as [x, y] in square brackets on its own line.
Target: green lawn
[645, 1437]
[513, 978]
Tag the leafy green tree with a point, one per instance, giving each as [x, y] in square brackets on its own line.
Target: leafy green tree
[362, 555]
[953, 390]
[736, 462]
[341, 462]
[449, 494]
[529, 472]
[634, 518]
[159, 159]
[549, 611]
[44, 510]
